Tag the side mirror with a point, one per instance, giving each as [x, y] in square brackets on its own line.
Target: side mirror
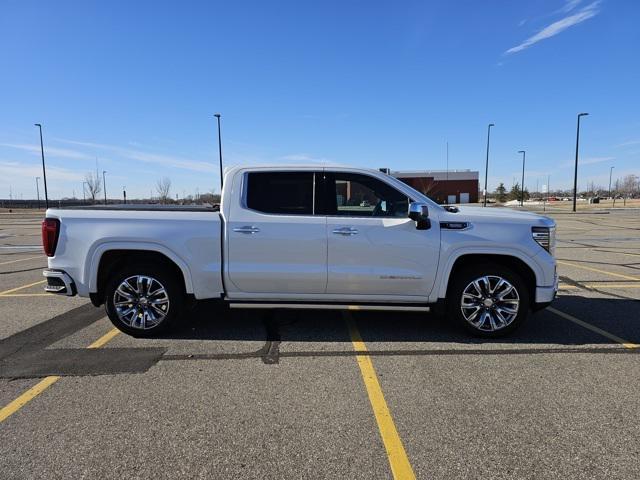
[419, 213]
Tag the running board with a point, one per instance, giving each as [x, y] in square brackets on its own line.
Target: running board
[332, 306]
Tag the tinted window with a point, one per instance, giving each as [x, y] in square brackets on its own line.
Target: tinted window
[356, 195]
[284, 193]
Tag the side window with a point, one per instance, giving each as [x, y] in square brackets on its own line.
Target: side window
[357, 195]
[283, 193]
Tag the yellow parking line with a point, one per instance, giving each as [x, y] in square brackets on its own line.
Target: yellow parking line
[26, 295]
[593, 328]
[42, 385]
[22, 260]
[26, 397]
[619, 275]
[398, 460]
[105, 338]
[620, 253]
[22, 287]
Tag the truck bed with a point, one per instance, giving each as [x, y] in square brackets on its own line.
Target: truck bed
[189, 236]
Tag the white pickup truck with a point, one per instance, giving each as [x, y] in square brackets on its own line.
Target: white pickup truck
[305, 237]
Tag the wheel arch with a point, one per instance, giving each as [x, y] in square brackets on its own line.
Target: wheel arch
[513, 262]
[109, 258]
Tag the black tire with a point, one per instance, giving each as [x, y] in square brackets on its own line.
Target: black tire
[463, 280]
[163, 277]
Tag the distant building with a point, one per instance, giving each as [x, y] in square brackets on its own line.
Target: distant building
[442, 186]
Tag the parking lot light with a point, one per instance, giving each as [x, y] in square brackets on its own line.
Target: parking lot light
[610, 172]
[104, 186]
[44, 170]
[575, 173]
[522, 186]
[217, 115]
[38, 190]
[486, 168]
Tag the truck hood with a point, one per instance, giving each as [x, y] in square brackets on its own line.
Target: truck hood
[496, 214]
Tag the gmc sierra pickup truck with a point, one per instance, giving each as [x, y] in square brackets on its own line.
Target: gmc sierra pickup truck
[305, 237]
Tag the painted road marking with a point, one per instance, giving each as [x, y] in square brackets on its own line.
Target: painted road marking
[107, 337]
[22, 287]
[564, 286]
[619, 275]
[593, 328]
[398, 460]
[26, 397]
[22, 260]
[27, 295]
[46, 382]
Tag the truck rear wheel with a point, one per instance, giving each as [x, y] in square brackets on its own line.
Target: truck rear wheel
[143, 300]
[488, 300]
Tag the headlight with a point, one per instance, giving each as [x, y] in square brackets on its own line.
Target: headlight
[545, 237]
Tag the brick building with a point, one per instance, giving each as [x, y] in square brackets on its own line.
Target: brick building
[453, 186]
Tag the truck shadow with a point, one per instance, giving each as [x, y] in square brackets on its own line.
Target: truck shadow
[618, 317]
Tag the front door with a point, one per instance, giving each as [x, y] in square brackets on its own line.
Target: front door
[373, 247]
[275, 243]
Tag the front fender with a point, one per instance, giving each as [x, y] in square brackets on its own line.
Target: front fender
[448, 263]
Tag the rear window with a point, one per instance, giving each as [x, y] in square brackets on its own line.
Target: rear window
[284, 193]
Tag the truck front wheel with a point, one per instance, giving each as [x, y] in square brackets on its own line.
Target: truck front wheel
[143, 300]
[488, 300]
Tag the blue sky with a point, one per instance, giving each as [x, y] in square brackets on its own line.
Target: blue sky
[378, 84]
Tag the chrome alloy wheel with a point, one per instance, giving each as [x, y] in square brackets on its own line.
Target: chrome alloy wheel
[490, 303]
[141, 302]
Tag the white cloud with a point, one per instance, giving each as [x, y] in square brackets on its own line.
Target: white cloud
[303, 158]
[559, 26]
[146, 157]
[588, 161]
[17, 171]
[570, 5]
[592, 160]
[49, 151]
[629, 143]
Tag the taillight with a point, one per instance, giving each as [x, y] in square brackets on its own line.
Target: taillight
[50, 231]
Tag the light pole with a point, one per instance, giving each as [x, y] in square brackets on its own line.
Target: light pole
[217, 115]
[447, 161]
[124, 194]
[38, 191]
[610, 172]
[104, 186]
[44, 170]
[575, 174]
[486, 169]
[522, 186]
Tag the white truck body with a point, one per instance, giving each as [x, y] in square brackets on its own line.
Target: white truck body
[239, 254]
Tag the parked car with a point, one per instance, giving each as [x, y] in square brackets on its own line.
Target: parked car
[281, 240]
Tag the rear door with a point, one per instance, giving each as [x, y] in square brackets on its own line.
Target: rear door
[373, 247]
[276, 243]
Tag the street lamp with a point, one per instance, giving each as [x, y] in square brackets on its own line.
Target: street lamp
[44, 171]
[38, 191]
[104, 186]
[610, 172]
[217, 115]
[486, 170]
[575, 174]
[522, 186]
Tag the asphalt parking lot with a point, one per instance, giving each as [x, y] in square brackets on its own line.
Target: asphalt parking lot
[298, 394]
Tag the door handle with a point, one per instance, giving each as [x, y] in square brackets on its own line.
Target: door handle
[346, 231]
[249, 229]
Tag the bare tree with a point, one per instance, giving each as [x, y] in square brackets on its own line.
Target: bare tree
[629, 185]
[163, 187]
[94, 185]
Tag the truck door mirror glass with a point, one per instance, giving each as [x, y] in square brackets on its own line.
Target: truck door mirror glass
[419, 213]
